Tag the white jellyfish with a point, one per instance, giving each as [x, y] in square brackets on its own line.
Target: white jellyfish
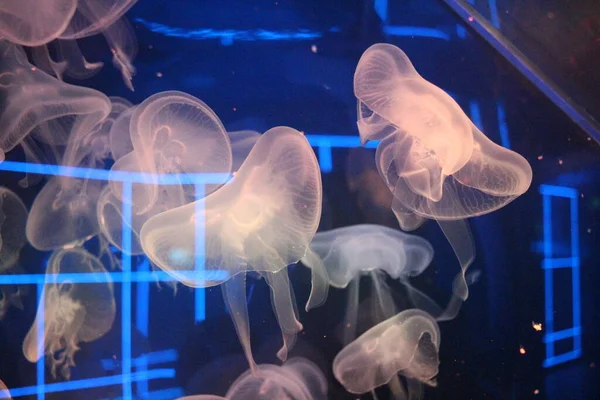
[262, 221]
[434, 160]
[406, 344]
[297, 379]
[72, 312]
[241, 144]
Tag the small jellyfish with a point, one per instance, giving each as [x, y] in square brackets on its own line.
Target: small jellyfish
[13, 216]
[4, 392]
[72, 312]
[32, 22]
[405, 344]
[297, 379]
[262, 221]
[64, 212]
[434, 160]
[373, 250]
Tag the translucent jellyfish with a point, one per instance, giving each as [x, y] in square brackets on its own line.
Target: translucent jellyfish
[169, 133]
[262, 221]
[297, 379]
[405, 344]
[4, 393]
[32, 22]
[33, 102]
[64, 212]
[434, 160]
[241, 144]
[373, 250]
[13, 216]
[72, 312]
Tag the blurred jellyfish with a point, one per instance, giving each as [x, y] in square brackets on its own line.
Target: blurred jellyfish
[169, 133]
[4, 393]
[35, 107]
[262, 221]
[13, 216]
[64, 212]
[405, 344]
[241, 144]
[350, 252]
[297, 379]
[33, 23]
[72, 312]
[437, 164]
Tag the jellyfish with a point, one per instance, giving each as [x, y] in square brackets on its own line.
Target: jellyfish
[169, 133]
[4, 393]
[72, 312]
[13, 216]
[406, 344]
[296, 379]
[374, 250]
[37, 108]
[262, 221]
[64, 212]
[434, 160]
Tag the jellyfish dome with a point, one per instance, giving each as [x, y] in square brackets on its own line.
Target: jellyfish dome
[407, 344]
[70, 312]
[435, 161]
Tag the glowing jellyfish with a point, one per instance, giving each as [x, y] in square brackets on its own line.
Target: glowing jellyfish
[297, 379]
[35, 103]
[72, 312]
[169, 133]
[241, 144]
[33, 23]
[262, 221]
[373, 250]
[405, 344]
[4, 393]
[64, 212]
[13, 216]
[437, 164]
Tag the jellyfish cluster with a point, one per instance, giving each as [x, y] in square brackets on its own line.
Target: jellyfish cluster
[260, 219]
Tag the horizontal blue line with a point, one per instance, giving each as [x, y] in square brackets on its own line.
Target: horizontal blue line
[165, 394]
[416, 31]
[572, 355]
[558, 191]
[156, 357]
[339, 141]
[92, 382]
[136, 276]
[565, 262]
[563, 334]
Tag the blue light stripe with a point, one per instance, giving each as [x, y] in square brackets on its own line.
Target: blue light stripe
[416, 31]
[152, 358]
[143, 300]
[126, 291]
[558, 191]
[325, 158]
[555, 360]
[199, 254]
[41, 342]
[165, 394]
[575, 277]
[475, 112]
[502, 126]
[557, 263]
[563, 334]
[92, 382]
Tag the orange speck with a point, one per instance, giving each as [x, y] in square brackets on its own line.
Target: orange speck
[560, 162]
[313, 48]
[540, 157]
[234, 108]
[470, 19]
[536, 392]
[536, 325]
[522, 350]
[159, 74]
[33, 68]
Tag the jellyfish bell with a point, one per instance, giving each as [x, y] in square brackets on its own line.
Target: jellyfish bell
[72, 312]
[406, 344]
[241, 144]
[172, 133]
[262, 221]
[33, 23]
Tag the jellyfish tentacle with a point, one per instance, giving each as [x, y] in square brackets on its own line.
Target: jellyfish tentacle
[351, 315]
[319, 280]
[459, 236]
[284, 308]
[234, 295]
[387, 308]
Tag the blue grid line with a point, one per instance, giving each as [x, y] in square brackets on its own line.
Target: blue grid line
[549, 263]
[155, 357]
[40, 321]
[199, 251]
[126, 290]
[112, 276]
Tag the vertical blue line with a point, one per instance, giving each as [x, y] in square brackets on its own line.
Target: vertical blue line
[494, 13]
[502, 126]
[575, 272]
[126, 292]
[475, 114]
[325, 157]
[548, 278]
[199, 233]
[142, 308]
[40, 320]
[381, 8]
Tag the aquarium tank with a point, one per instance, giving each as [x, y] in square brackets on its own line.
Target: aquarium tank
[299, 199]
